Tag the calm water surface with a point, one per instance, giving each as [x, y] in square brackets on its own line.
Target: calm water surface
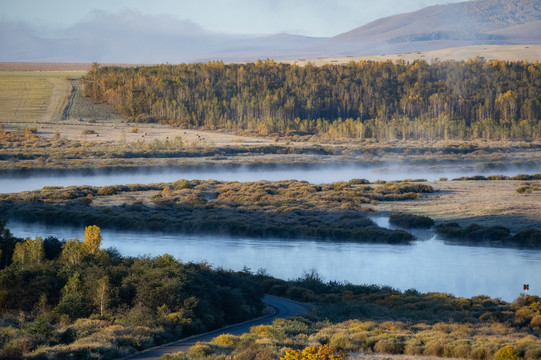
[317, 175]
[429, 264]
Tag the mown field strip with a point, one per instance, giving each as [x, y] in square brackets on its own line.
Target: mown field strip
[29, 97]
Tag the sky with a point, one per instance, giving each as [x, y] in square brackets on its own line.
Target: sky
[317, 18]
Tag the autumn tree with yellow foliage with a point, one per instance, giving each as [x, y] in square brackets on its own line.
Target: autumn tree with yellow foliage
[74, 251]
[92, 240]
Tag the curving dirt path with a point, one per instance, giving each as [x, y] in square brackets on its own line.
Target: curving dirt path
[283, 308]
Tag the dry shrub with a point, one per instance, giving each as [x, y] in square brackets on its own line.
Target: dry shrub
[11, 352]
[226, 340]
[480, 353]
[461, 349]
[258, 353]
[442, 327]
[434, 348]
[535, 323]
[393, 325]
[175, 356]
[533, 353]
[199, 350]
[342, 341]
[389, 346]
[261, 330]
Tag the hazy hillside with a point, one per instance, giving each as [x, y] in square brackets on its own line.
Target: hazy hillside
[131, 37]
[488, 22]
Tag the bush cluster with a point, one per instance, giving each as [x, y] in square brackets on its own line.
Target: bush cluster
[411, 220]
[475, 233]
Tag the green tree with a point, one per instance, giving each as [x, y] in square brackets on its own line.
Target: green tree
[72, 253]
[29, 253]
[7, 244]
[72, 302]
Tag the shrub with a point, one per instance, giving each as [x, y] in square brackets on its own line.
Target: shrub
[479, 353]
[107, 191]
[175, 356]
[498, 177]
[535, 323]
[533, 353]
[521, 177]
[410, 220]
[434, 348]
[507, 353]
[389, 346]
[257, 353]
[414, 347]
[342, 341]
[182, 184]
[530, 237]
[358, 182]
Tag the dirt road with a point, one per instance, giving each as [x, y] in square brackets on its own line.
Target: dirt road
[283, 308]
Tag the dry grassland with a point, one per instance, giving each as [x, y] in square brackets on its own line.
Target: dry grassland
[530, 53]
[482, 202]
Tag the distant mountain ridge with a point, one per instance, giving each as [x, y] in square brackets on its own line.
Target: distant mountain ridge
[472, 17]
[134, 38]
[489, 22]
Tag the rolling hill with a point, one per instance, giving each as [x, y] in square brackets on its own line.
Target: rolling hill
[480, 22]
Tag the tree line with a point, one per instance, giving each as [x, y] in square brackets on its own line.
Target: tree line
[361, 100]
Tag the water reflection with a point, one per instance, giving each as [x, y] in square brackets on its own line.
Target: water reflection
[428, 264]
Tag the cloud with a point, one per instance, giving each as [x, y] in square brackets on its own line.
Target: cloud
[125, 36]
[132, 22]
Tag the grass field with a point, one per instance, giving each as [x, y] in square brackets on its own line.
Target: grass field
[486, 203]
[29, 98]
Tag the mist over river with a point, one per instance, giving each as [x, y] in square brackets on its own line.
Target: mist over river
[428, 264]
[317, 174]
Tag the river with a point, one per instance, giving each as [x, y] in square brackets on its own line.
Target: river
[314, 174]
[427, 265]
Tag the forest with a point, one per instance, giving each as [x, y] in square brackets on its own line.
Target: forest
[477, 99]
[72, 299]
